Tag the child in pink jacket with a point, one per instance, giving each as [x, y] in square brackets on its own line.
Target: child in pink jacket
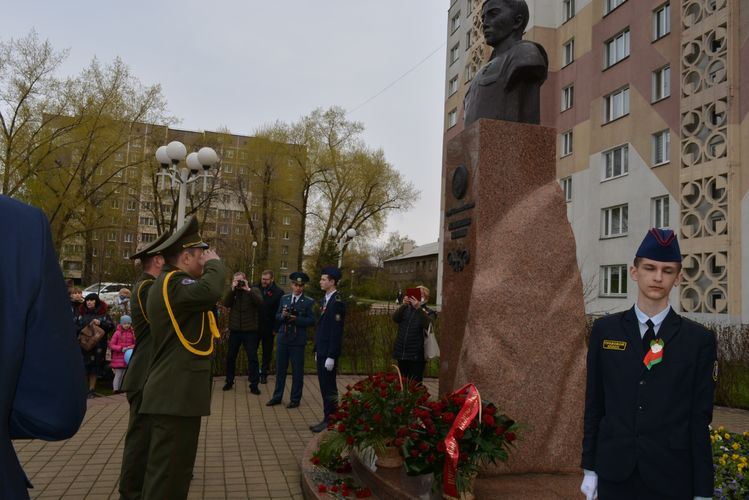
[123, 339]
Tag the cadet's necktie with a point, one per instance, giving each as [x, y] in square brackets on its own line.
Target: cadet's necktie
[649, 335]
[293, 300]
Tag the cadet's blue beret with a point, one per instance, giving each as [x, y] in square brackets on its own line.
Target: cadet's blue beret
[332, 272]
[299, 277]
[661, 245]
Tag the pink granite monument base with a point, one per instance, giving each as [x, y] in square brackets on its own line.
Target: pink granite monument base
[513, 318]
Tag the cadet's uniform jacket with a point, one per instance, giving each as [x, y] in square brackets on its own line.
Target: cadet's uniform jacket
[656, 420]
[179, 381]
[295, 333]
[329, 335]
[137, 369]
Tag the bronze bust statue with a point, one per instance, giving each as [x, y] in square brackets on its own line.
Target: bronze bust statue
[507, 87]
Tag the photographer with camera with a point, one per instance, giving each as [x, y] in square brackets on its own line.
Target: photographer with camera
[413, 319]
[245, 303]
[294, 316]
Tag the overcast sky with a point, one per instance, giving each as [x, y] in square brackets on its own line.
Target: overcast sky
[242, 64]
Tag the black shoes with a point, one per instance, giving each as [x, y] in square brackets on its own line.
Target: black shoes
[263, 379]
[319, 427]
[293, 404]
[228, 386]
[273, 402]
[254, 390]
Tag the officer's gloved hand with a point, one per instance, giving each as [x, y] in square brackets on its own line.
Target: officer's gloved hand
[329, 364]
[589, 487]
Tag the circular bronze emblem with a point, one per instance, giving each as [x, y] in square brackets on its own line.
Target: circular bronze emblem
[460, 182]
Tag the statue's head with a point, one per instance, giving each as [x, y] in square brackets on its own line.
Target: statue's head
[502, 19]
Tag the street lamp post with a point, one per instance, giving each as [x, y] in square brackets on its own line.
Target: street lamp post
[170, 156]
[252, 267]
[352, 282]
[341, 243]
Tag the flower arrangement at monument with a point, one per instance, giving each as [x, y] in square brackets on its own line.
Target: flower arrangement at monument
[453, 437]
[370, 413]
[730, 457]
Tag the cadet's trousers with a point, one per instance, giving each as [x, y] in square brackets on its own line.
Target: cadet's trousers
[171, 457]
[632, 488]
[328, 387]
[284, 353]
[135, 455]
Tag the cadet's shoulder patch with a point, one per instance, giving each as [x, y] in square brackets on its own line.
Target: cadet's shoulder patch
[187, 281]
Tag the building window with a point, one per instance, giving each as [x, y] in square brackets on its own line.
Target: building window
[131, 204]
[660, 212]
[286, 235]
[614, 281]
[111, 236]
[661, 21]
[116, 204]
[286, 220]
[568, 9]
[455, 22]
[610, 5]
[568, 52]
[568, 97]
[128, 238]
[284, 250]
[452, 118]
[228, 168]
[616, 104]
[469, 39]
[284, 264]
[452, 86]
[223, 229]
[661, 147]
[284, 280]
[617, 48]
[616, 162]
[147, 221]
[454, 53]
[566, 184]
[661, 83]
[566, 143]
[614, 221]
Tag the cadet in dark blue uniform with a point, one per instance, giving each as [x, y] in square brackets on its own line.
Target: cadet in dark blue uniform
[649, 397]
[328, 339]
[294, 316]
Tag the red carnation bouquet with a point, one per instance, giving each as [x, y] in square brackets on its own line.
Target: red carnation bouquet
[453, 437]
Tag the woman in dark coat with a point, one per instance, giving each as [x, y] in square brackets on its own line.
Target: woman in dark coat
[93, 310]
[413, 319]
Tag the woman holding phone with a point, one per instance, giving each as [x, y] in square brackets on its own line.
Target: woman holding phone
[413, 318]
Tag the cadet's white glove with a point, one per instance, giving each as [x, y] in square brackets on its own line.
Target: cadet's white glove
[589, 487]
[329, 364]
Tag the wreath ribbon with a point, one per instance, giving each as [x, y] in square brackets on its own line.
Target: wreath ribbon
[471, 408]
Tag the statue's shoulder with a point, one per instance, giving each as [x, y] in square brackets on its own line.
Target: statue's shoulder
[529, 53]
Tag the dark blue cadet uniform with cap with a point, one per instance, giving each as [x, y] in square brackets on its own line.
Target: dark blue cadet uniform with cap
[292, 340]
[328, 343]
[646, 430]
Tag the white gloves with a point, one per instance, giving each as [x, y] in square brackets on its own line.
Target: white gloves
[589, 488]
[329, 364]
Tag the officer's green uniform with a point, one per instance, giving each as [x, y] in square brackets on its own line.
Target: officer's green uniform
[178, 390]
[138, 429]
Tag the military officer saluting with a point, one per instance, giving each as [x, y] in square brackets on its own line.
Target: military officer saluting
[649, 397]
[178, 390]
[294, 316]
[138, 429]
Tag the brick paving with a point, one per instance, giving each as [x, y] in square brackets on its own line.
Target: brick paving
[246, 450]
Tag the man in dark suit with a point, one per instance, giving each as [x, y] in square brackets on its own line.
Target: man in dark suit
[271, 298]
[328, 339]
[649, 397]
[138, 434]
[177, 392]
[294, 315]
[43, 390]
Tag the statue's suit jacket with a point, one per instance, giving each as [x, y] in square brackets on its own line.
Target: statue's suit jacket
[42, 380]
[656, 420]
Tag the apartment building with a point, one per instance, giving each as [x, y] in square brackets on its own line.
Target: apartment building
[650, 101]
[256, 183]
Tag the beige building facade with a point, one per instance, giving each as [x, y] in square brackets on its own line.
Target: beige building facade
[650, 101]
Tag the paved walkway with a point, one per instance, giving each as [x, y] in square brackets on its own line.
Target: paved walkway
[246, 449]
